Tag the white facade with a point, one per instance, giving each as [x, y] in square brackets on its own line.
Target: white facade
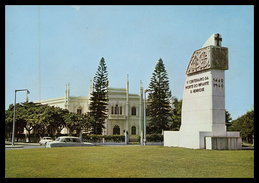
[125, 110]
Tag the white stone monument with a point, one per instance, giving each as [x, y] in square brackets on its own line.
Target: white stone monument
[203, 106]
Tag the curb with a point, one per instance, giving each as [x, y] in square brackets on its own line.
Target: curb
[14, 146]
[22, 144]
[248, 148]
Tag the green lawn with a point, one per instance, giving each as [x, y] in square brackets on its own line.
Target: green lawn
[128, 161]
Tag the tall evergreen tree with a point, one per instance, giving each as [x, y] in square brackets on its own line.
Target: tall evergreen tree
[176, 115]
[99, 99]
[228, 119]
[159, 99]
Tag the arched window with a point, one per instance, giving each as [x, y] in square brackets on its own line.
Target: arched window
[133, 130]
[112, 110]
[133, 111]
[79, 111]
[116, 109]
[116, 130]
[120, 110]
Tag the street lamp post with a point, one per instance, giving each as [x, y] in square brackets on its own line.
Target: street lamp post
[146, 90]
[14, 112]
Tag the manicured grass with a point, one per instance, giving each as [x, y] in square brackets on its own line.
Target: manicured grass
[128, 161]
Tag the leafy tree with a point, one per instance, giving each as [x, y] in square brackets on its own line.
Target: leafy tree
[24, 117]
[30, 113]
[9, 121]
[46, 121]
[20, 119]
[35, 117]
[87, 121]
[52, 119]
[159, 99]
[99, 99]
[77, 122]
[73, 121]
[176, 115]
[244, 124]
[60, 119]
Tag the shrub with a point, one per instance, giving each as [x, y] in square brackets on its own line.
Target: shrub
[120, 138]
[98, 138]
[114, 138]
[153, 138]
[92, 138]
[138, 138]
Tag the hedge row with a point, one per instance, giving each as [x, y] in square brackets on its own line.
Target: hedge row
[99, 138]
[153, 138]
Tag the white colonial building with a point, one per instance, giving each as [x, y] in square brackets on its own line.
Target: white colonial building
[125, 110]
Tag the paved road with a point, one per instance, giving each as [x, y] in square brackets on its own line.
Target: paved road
[36, 145]
[25, 147]
[20, 145]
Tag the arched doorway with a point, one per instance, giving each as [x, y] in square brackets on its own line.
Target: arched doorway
[116, 130]
[133, 130]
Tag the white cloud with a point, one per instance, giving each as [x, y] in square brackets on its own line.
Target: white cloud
[76, 7]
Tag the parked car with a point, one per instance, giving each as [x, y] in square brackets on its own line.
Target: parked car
[44, 140]
[67, 141]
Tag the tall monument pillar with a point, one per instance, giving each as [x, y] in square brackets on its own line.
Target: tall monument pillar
[203, 106]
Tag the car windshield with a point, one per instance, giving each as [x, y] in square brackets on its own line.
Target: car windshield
[57, 139]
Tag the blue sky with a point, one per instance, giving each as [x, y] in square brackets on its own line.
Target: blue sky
[73, 39]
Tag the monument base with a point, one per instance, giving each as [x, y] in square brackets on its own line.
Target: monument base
[231, 140]
[223, 143]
